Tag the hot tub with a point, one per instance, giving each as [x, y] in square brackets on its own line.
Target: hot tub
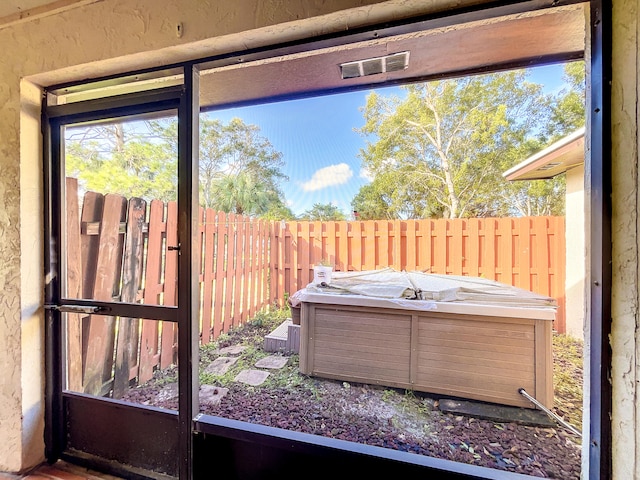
[471, 350]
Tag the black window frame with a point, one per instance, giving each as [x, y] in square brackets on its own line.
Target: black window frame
[277, 451]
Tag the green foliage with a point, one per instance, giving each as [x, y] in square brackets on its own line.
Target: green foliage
[568, 111]
[119, 158]
[270, 319]
[278, 211]
[239, 169]
[323, 212]
[440, 149]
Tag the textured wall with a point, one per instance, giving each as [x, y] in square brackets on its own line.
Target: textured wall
[575, 252]
[117, 35]
[10, 318]
[109, 36]
[31, 278]
[624, 336]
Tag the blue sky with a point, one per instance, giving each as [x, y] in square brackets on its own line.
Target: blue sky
[319, 145]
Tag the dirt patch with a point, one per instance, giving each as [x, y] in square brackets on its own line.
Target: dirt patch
[385, 417]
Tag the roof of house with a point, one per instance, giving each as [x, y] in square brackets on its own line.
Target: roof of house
[553, 160]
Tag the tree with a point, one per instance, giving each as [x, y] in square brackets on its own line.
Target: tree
[241, 193]
[323, 212]
[440, 150]
[240, 171]
[233, 149]
[546, 197]
[122, 158]
[278, 211]
[568, 110]
[532, 197]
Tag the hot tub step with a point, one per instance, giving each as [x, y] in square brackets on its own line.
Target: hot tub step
[285, 338]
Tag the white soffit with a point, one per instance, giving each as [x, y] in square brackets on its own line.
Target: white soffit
[553, 160]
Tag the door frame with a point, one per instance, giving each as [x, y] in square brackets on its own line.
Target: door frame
[85, 429]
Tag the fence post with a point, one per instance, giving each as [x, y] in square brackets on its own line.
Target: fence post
[74, 287]
[126, 351]
[169, 340]
[101, 330]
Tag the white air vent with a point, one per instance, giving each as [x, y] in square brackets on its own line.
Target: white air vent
[374, 66]
[548, 166]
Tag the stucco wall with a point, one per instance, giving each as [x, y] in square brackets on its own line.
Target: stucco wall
[109, 36]
[575, 254]
[624, 336]
[117, 35]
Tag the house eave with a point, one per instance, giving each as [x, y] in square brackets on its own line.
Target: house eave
[557, 158]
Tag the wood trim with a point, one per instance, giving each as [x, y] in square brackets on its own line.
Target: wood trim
[50, 8]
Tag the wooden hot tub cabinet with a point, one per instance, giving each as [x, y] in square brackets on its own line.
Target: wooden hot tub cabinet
[476, 352]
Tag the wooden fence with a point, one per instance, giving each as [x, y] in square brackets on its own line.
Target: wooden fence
[118, 250]
[524, 252]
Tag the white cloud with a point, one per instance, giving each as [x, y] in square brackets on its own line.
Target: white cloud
[328, 176]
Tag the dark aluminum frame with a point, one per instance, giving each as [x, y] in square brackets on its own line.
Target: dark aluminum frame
[598, 184]
[153, 431]
[249, 450]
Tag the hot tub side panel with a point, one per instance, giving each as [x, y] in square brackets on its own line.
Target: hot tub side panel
[482, 358]
[356, 344]
[469, 356]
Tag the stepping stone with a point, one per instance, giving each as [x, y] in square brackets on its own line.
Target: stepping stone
[232, 350]
[210, 395]
[497, 413]
[272, 361]
[220, 365]
[252, 377]
[168, 392]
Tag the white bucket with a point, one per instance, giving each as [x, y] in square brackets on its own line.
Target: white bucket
[322, 273]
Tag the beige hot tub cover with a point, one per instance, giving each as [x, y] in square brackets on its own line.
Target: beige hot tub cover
[390, 283]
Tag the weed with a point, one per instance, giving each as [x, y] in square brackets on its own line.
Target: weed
[567, 378]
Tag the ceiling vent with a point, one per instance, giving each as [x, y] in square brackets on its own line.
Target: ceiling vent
[549, 166]
[373, 66]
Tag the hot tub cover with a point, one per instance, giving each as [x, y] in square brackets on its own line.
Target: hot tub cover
[392, 284]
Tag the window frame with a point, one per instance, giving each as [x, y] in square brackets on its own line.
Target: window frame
[278, 448]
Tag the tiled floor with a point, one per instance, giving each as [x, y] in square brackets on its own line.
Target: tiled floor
[59, 471]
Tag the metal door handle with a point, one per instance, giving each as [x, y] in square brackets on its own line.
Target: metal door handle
[88, 309]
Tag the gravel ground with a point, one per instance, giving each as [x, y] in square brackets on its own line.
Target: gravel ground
[374, 415]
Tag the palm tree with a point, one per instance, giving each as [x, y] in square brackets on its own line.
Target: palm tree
[241, 194]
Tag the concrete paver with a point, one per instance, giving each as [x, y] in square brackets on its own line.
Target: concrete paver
[272, 361]
[211, 395]
[252, 377]
[231, 350]
[496, 413]
[220, 365]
